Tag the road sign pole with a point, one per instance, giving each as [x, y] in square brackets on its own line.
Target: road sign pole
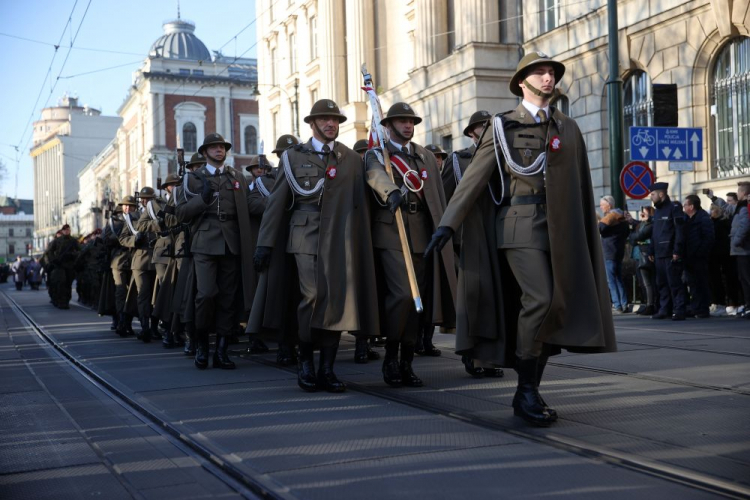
[614, 101]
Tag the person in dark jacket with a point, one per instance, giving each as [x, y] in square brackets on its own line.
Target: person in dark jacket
[722, 269]
[640, 239]
[614, 231]
[699, 239]
[667, 250]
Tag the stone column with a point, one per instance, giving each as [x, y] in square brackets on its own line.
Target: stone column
[427, 27]
[331, 49]
[475, 23]
[360, 41]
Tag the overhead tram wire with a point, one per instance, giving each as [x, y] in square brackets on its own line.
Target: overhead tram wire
[68, 47]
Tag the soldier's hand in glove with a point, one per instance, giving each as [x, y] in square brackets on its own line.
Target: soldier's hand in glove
[140, 240]
[262, 259]
[207, 193]
[439, 239]
[394, 200]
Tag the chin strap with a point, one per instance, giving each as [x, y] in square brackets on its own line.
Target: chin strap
[536, 91]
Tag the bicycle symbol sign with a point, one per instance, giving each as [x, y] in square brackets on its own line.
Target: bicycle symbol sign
[635, 179]
[666, 143]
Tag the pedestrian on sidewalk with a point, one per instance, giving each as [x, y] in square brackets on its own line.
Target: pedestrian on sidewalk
[34, 273]
[699, 240]
[740, 242]
[614, 230]
[722, 268]
[640, 239]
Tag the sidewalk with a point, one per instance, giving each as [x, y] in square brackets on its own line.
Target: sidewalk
[675, 396]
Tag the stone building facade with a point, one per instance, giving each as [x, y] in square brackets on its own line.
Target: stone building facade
[16, 235]
[449, 59]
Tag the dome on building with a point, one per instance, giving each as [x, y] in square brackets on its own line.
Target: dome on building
[179, 42]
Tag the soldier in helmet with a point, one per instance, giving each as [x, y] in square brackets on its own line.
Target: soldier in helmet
[361, 147]
[283, 143]
[138, 238]
[215, 204]
[549, 252]
[60, 257]
[440, 155]
[121, 256]
[328, 238]
[418, 191]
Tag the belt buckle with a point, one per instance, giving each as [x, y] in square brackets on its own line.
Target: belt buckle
[222, 217]
[412, 207]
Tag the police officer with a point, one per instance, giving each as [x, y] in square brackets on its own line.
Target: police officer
[220, 245]
[667, 250]
[417, 188]
[328, 237]
[543, 163]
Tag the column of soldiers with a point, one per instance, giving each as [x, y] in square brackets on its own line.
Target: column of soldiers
[311, 249]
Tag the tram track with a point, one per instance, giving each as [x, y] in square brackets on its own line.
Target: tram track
[257, 485]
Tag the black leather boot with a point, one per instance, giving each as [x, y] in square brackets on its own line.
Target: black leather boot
[256, 346]
[360, 350]
[113, 326]
[221, 358]
[327, 380]
[201, 350]
[540, 366]
[122, 330]
[474, 371]
[526, 403]
[177, 333]
[306, 379]
[129, 325]
[286, 356]
[391, 370]
[167, 340]
[189, 339]
[408, 377]
[145, 334]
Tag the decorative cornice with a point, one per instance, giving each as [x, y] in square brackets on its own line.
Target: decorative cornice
[175, 77]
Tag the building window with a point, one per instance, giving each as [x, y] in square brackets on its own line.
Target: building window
[275, 125]
[562, 103]
[251, 140]
[730, 109]
[314, 95]
[549, 15]
[28, 231]
[198, 72]
[11, 248]
[292, 53]
[184, 71]
[10, 232]
[446, 142]
[638, 106]
[189, 137]
[313, 37]
[273, 66]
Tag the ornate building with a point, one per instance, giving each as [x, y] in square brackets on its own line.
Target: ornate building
[449, 59]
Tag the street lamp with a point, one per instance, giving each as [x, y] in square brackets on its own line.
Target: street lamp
[256, 94]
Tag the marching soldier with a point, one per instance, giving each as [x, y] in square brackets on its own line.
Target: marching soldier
[217, 208]
[419, 191]
[361, 147]
[439, 154]
[549, 252]
[283, 143]
[60, 258]
[139, 238]
[120, 263]
[328, 237]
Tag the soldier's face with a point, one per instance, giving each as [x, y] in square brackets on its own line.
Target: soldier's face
[256, 171]
[66, 232]
[326, 128]
[439, 160]
[476, 132]
[216, 151]
[541, 77]
[403, 128]
[126, 209]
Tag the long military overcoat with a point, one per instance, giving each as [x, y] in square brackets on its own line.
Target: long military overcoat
[579, 317]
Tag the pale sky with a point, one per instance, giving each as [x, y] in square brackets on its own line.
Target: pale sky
[122, 34]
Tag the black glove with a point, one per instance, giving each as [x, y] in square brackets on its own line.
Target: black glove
[262, 259]
[439, 239]
[207, 193]
[168, 209]
[394, 200]
[140, 240]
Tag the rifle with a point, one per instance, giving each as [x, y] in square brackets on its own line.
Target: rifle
[380, 135]
[181, 161]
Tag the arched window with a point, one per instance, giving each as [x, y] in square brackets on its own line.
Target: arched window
[730, 109]
[251, 140]
[638, 106]
[189, 137]
[562, 103]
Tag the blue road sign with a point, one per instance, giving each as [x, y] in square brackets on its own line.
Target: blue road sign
[666, 143]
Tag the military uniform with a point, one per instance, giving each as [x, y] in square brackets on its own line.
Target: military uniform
[60, 257]
[219, 229]
[510, 238]
[668, 239]
[420, 212]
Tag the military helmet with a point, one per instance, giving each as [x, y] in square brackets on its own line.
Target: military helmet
[361, 145]
[401, 110]
[436, 150]
[325, 107]
[171, 180]
[214, 139]
[196, 160]
[147, 193]
[526, 63]
[259, 161]
[477, 118]
[285, 142]
[128, 200]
